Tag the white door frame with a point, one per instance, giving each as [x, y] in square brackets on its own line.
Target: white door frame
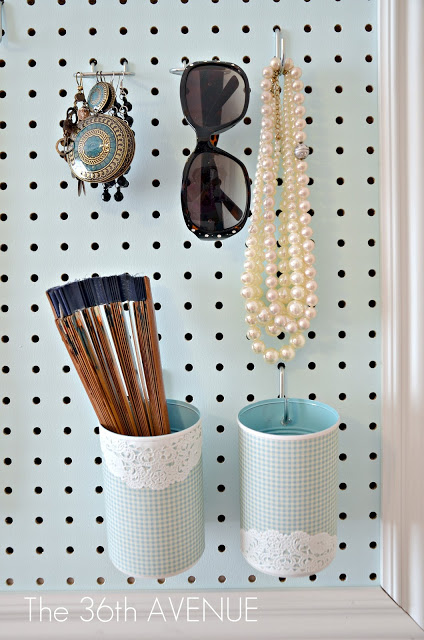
[401, 95]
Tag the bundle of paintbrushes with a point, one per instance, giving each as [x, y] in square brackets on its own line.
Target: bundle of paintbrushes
[109, 329]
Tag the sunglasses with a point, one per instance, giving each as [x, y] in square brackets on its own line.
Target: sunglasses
[215, 192]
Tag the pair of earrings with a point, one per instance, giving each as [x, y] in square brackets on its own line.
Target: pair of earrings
[98, 142]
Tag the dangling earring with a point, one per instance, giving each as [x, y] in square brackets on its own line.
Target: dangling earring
[97, 141]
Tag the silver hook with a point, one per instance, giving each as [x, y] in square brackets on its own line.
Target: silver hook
[279, 46]
[1, 19]
[179, 71]
[285, 419]
[93, 63]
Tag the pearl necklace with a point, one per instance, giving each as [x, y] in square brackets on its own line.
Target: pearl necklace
[290, 299]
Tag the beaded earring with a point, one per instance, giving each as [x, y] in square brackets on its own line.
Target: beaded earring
[98, 142]
[279, 244]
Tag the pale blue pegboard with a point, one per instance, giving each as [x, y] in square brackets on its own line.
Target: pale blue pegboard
[335, 42]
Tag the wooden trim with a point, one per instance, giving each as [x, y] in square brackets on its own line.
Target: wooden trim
[287, 614]
[401, 94]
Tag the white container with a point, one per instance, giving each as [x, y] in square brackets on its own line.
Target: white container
[288, 486]
[153, 489]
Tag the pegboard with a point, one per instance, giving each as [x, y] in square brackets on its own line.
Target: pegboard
[52, 532]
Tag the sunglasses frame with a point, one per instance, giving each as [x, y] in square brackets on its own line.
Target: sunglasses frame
[204, 144]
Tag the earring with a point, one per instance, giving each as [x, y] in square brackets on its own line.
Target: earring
[98, 142]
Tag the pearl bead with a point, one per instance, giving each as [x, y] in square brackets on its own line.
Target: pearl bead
[269, 203]
[266, 110]
[271, 356]
[272, 295]
[275, 64]
[284, 295]
[247, 278]
[297, 85]
[296, 73]
[311, 300]
[303, 193]
[268, 176]
[311, 286]
[263, 316]
[266, 149]
[295, 308]
[250, 319]
[272, 330]
[252, 306]
[267, 163]
[299, 111]
[280, 321]
[304, 324]
[274, 309]
[248, 292]
[295, 250]
[308, 245]
[287, 353]
[302, 166]
[307, 232]
[295, 264]
[302, 179]
[269, 215]
[283, 279]
[258, 346]
[266, 84]
[269, 189]
[249, 265]
[271, 282]
[268, 72]
[266, 96]
[305, 218]
[297, 277]
[266, 136]
[288, 64]
[310, 272]
[297, 341]
[254, 333]
[250, 253]
[310, 313]
[309, 258]
[292, 226]
[291, 326]
[300, 136]
[298, 98]
[270, 242]
[304, 206]
[298, 293]
[252, 242]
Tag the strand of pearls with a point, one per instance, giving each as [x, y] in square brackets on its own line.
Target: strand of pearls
[288, 302]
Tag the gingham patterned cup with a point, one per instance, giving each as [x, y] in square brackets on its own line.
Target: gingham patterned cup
[153, 490]
[288, 486]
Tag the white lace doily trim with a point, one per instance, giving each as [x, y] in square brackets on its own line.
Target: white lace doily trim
[152, 463]
[293, 554]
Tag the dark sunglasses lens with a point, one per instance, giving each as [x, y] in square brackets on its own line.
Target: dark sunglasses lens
[215, 193]
[215, 95]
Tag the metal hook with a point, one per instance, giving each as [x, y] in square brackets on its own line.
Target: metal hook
[179, 71]
[1, 19]
[285, 419]
[279, 46]
[93, 63]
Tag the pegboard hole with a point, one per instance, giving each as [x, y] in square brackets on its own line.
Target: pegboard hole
[70, 581]
[220, 428]
[307, 28]
[131, 580]
[191, 579]
[221, 548]
[40, 581]
[8, 520]
[221, 518]
[222, 579]
[342, 546]
[282, 579]
[312, 577]
[9, 582]
[100, 580]
[338, 58]
[39, 520]
[252, 578]
[342, 577]
[92, 31]
[373, 576]
[123, 31]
